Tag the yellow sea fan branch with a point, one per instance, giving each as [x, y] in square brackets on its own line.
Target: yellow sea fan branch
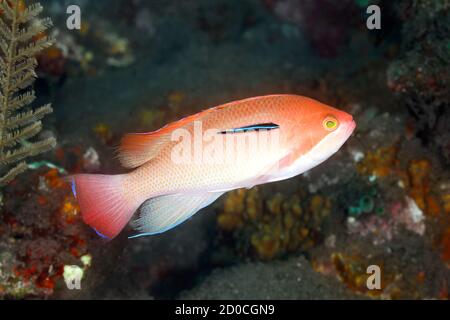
[22, 100]
[22, 80]
[8, 11]
[14, 137]
[30, 150]
[2, 63]
[25, 65]
[27, 117]
[14, 172]
[4, 47]
[5, 30]
[31, 12]
[32, 49]
[26, 34]
[19, 27]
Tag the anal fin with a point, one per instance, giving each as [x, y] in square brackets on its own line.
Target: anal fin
[163, 213]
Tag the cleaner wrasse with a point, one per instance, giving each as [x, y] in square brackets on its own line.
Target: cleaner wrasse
[188, 164]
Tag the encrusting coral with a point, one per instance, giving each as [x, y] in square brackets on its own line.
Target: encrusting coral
[275, 227]
[21, 38]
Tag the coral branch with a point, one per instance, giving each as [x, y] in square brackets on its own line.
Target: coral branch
[30, 150]
[31, 12]
[19, 27]
[4, 47]
[8, 10]
[25, 65]
[32, 49]
[13, 138]
[14, 172]
[5, 30]
[27, 117]
[27, 34]
[22, 100]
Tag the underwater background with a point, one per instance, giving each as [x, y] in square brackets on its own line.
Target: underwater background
[135, 65]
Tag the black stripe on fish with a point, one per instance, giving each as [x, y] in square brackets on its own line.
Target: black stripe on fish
[254, 127]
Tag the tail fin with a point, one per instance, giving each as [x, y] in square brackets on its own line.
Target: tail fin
[103, 203]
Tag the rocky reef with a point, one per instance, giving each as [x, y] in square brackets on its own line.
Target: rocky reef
[420, 74]
[383, 199]
[271, 226]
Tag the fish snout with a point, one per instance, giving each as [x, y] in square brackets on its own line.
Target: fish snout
[347, 122]
[347, 130]
[351, 125]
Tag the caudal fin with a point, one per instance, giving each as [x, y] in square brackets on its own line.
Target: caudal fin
[103, 203]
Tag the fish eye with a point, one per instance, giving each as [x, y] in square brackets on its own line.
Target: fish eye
[330, 123]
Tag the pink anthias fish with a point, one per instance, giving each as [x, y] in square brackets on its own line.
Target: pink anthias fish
[169, 190]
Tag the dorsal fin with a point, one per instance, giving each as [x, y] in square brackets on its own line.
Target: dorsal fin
[138, 148]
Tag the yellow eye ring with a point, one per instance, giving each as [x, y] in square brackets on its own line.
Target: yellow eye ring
[330, 123]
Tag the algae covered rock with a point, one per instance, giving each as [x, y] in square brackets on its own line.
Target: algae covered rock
[420, 75]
